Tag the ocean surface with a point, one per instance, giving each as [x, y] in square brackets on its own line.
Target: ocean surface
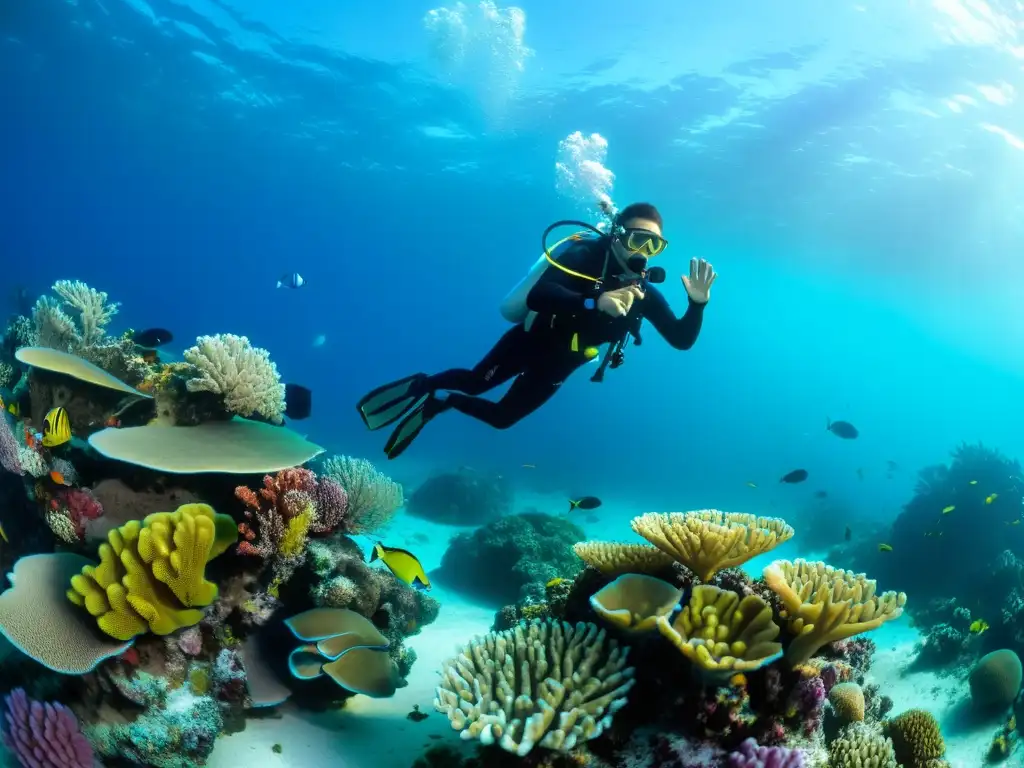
[852, 170]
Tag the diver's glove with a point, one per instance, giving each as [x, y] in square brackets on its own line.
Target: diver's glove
[617, 303]
[698, 284]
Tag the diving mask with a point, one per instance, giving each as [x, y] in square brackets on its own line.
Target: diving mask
[642, 241]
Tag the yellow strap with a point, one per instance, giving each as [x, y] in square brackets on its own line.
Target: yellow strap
[578, 236]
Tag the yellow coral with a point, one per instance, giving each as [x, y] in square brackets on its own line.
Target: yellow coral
[823, 604]
[151, 574]
[613, 558]
[916, 738]
[295, 535]
[707, 541]
[847, 700]
[722, 634]
[861, 746]
[634, 601]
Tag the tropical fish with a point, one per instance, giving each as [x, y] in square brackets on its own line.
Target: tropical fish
[849, 534]
[58, 478]
[554, 582]
[587, 502]
[973, 482]
[796, 476]
[298, 401]
[416, 716]
[947, 510]
[3, 534]
[978, 626]
[56, 428]
[293, 280]
[751, 484]
[991, 497]
[885, 548]
[10, 407]
[151, 338]
[404, 564]
[1014, 522]
[843, 429]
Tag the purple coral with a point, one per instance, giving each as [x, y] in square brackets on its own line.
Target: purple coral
[44, 735]
[331, 505]
[750, 755]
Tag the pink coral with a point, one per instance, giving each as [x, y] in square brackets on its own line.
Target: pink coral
[81, 507]
[190, 641]
[44, 735]
[9, 453]
[750, 755]
[282, 497]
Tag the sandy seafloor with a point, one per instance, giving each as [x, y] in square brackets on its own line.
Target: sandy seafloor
[377, 733]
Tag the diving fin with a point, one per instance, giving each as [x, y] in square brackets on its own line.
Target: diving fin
[410, 427]
[388, 403]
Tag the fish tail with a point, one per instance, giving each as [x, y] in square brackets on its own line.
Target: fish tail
[280, 284]
[573, 505]
[376, 551]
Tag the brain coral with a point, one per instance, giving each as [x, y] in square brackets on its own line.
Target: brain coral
[916, 738]
[847, 700]
[995, 679]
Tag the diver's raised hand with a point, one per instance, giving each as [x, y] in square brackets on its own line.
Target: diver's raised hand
[698, 284]
[617, 303]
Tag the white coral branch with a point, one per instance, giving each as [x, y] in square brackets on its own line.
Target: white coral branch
[242, 374]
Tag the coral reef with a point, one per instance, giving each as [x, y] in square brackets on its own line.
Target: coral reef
[464, 497]
[861, 746]
[613, 558]
[521, 688]
[750, 755]
[995, 680]
[636, 601]
[528, 550]
[916, 738]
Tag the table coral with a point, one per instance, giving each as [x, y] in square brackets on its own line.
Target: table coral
[706, 541]
[613, 558]
[824, 604]
[151, 575]
[545, 684]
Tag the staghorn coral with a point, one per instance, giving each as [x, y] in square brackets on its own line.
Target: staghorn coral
[823, 604]
[151, 574]
[613, 558]
[847, 701]
[706, 541]
[373, 498]
[545, 684]
[916, 738]
[722, 634]
[861, 746]
[995, 680]
[74, 321]
[44, 735]
[242, 374]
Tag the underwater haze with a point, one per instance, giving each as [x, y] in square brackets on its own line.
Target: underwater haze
[851, 169]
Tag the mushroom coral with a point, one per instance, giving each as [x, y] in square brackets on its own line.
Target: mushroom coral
[151, 575]
[722, 634]
[635, 601]
[706, 541]
[823, 604]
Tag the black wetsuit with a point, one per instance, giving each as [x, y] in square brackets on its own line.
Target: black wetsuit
[542, 358]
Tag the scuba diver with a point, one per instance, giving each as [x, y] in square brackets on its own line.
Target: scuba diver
[591, 288]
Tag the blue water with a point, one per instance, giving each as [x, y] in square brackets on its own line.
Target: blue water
[848, 171]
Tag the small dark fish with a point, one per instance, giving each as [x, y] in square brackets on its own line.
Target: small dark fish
[416, 716]
[293, 280]
[848, 534]
[587, 502]
[821, 494]
[796, 476]
[892, 465]
[151, 338]
[843, 429]
[860, 474]
[298, 401]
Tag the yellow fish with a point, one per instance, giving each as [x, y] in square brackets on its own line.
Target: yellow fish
[555, 582]
[947, 510]
[56, 428]
[978, 626]
[404, 564]
[3, 534]
[751, 484]
[974, 482]
[991, 497]
[11, 408]
[885, 548]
